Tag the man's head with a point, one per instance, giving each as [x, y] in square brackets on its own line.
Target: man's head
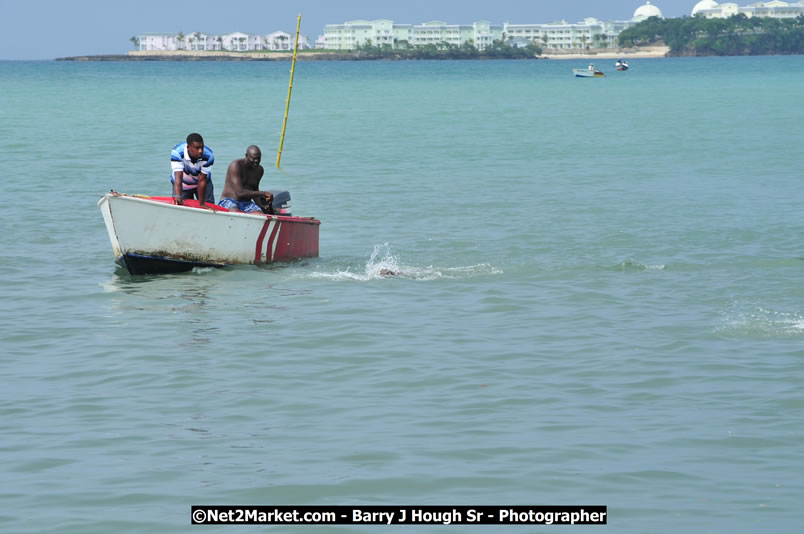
[195, 146]
[253, 156]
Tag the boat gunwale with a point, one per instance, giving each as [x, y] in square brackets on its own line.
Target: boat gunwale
[222, 211]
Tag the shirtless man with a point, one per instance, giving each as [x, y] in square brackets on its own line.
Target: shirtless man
[240, 192]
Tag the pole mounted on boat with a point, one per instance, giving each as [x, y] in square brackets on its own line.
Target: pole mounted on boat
[290, 87]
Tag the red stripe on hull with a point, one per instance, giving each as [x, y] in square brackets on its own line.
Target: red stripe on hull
[269, 256]
[260, 238]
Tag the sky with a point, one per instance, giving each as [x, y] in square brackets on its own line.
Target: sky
[47, 29]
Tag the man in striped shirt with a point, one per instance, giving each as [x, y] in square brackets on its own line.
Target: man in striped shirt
[191, 163]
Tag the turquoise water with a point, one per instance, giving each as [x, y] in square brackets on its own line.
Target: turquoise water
[601, 298]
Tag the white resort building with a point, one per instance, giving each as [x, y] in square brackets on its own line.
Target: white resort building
[350, 35]
[589, 33]
[481, 33]
[235, 41]
[775, 9]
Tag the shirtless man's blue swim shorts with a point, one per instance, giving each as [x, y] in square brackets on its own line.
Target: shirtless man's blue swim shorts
[245, 206]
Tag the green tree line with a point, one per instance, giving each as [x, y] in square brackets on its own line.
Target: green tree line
[735, 36]
[444, 50]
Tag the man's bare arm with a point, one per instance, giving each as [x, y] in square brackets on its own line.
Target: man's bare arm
[178, 176]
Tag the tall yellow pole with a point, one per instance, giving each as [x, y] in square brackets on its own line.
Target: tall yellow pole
[290, 87]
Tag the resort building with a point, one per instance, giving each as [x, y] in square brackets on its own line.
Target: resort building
[350, 35]
[589, 33]
[481, 34]
[235, 41]
[775, 9]
[646, 11]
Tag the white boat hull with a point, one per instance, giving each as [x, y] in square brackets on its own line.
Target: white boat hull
[586, 73]
[154, 236]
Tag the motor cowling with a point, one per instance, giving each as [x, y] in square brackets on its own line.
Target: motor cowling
[280, 204]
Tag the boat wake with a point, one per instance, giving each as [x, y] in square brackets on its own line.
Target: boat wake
[763, 322]
[384, 264]
[631, 265]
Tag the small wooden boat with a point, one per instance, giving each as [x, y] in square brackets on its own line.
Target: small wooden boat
[586, 73]
[151, 235]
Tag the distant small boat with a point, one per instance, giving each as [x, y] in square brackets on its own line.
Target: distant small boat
[621, 65]
[586, 73]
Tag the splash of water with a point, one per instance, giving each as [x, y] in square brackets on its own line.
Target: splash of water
[384, 264]
[631, 265]
[763, 322]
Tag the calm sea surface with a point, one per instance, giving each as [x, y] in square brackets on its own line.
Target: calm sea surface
[601, 299]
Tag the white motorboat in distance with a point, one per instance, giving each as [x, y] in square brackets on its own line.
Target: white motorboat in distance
[586, 73]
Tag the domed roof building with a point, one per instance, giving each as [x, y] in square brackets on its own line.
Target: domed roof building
[703, 4]
[646, 11]
[774, 8]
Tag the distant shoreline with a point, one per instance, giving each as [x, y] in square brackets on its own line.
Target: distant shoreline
[186, 55]
[608, 53]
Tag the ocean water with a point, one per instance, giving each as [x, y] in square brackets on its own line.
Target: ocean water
[600, 299]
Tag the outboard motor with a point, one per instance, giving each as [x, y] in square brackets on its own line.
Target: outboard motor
[280, 205]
